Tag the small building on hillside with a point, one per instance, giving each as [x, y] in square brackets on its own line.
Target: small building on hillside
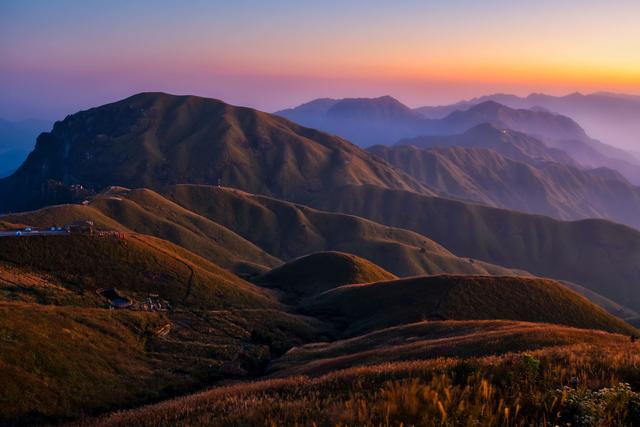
[80, 227]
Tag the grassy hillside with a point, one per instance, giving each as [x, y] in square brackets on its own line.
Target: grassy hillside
[287, 230]
[136, 264]
[59, 215]
[24, 284]
[429, 340]
[57, 361]
[366, 307]
[144, 211]
[598, 254]
[313, 274]
[66, 354]
[61, 362]
[555, 386]
[291, 231]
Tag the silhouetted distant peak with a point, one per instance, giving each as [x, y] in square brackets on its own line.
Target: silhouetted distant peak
[319, 105]
[386, 101]
[384, 107]
[488, 106]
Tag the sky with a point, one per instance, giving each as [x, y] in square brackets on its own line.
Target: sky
[58, 57]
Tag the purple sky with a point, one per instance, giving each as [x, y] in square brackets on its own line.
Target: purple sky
[59, 57]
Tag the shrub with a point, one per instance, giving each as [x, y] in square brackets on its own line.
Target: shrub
[616, 405]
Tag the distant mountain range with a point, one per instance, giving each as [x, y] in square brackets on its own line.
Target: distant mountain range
[513, 144]
[346, 117]
[385, 120]
[610, 117]
[547, 188]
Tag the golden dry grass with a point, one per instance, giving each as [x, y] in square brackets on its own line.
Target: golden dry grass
[318, 272]
[146, 212]
[288, 230]
[430, 340]
[57, 362]
[367, 307]
[598, 254]
[510, 390]
[136, 264]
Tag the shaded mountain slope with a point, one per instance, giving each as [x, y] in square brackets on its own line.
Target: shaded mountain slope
[287, 230]
[553, 129]
[153, 140]
[547, 188]
[318, 272]
[598, 254]
[612, 307]
[363, 308]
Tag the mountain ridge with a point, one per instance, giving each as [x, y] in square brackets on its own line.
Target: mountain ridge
[158, 139]
[531, 185]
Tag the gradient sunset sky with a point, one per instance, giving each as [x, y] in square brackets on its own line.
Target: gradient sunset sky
[62, 56]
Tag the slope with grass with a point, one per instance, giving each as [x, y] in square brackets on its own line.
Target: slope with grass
[287, 230]
[144, 211]
[154, 139]
[60, 361]
[60, 215]
[429, 340]
[555, 386]
[136, 264]
[65, 353]
[597, 254]
[363, 308]
[318, 272]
